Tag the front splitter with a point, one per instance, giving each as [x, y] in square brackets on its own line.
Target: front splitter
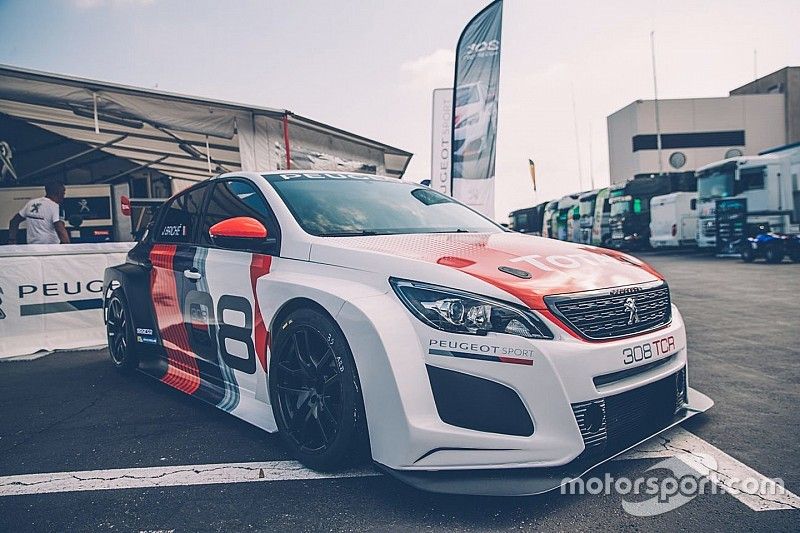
[527, 481]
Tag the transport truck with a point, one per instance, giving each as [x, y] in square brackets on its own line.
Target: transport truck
[563, 226]
[601, 232]
[673, 220]
[528, 220]
[594, 209]
[630, 206]
[550, 219]
[769, 182]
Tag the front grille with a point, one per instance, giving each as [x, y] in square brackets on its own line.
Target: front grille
[710, 228]
[612, 424]
[608, 316]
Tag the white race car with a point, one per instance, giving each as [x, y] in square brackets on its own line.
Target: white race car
[361, 316]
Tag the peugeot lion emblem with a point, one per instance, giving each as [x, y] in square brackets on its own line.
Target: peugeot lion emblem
[631, 309]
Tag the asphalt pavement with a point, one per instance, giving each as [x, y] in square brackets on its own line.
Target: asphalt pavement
[72, 411]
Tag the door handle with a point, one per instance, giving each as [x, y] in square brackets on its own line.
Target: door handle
[192, 274]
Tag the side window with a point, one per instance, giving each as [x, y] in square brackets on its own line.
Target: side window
[236, 198]
[181, 217]
[753, 179]
[693, 204]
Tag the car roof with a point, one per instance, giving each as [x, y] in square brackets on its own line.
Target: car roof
[256, 175]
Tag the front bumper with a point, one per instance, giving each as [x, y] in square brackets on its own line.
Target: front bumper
[529, 481]
[412, 438]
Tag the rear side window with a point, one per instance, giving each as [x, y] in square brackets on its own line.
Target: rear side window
[180, 217]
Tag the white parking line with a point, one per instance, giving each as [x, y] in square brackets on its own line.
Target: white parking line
[164, 476]
[722, 469]
[677, 442]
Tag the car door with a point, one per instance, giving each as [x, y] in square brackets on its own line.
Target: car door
[172, 258]
[224, 302]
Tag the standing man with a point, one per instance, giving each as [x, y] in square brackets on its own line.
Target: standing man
[44, 223]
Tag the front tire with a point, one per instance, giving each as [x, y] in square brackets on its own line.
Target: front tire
[315, 392]
[119, 332]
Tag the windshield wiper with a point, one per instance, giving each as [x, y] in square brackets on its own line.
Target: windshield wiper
[357, 233]
[454, 230]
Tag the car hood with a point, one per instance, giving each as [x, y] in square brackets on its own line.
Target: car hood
[548, 266]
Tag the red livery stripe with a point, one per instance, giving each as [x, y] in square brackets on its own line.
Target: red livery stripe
[516, 361]
[259, 266]
[182, 372]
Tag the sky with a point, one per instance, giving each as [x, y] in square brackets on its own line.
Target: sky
[370, 66]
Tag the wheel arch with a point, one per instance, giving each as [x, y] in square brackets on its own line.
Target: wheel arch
[289, 306]
[134, 281]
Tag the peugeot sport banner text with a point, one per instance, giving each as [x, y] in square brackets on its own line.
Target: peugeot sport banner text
[475, 109]
[441, 137]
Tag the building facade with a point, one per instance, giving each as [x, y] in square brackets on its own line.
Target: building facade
[697, 131]
[785, 81]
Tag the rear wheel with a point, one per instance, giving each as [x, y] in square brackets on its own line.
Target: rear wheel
[773, 254]
[315, 392]
[119, 332]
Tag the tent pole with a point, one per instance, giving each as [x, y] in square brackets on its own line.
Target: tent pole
[131, 171]
[76, 156]
[286, 141]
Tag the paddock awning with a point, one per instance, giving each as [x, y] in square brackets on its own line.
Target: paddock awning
[187, 137]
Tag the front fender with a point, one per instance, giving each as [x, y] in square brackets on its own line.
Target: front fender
[372, 319]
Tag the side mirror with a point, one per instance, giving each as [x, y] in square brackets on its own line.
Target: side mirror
[240, 233]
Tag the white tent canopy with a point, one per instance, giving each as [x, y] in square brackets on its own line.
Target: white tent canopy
[185, 137]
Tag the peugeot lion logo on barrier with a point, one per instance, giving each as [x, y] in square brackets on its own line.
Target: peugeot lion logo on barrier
[631, 309]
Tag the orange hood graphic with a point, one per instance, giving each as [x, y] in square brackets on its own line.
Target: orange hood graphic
[532, 267]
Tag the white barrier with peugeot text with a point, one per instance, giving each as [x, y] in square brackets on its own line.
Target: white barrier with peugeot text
[51, 295]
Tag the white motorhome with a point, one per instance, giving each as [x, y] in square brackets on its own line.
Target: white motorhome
[770, 182]
[673, 220]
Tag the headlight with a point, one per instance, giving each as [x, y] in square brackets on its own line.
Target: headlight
[463, 312]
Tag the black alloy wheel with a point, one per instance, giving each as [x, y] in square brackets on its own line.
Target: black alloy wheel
[315, 393]
[118, 332]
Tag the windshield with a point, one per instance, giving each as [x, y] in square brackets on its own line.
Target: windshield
[620, 208]
[467, 94]
[715, 183]
[620, 203]
[332, 205]
[587, 207]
